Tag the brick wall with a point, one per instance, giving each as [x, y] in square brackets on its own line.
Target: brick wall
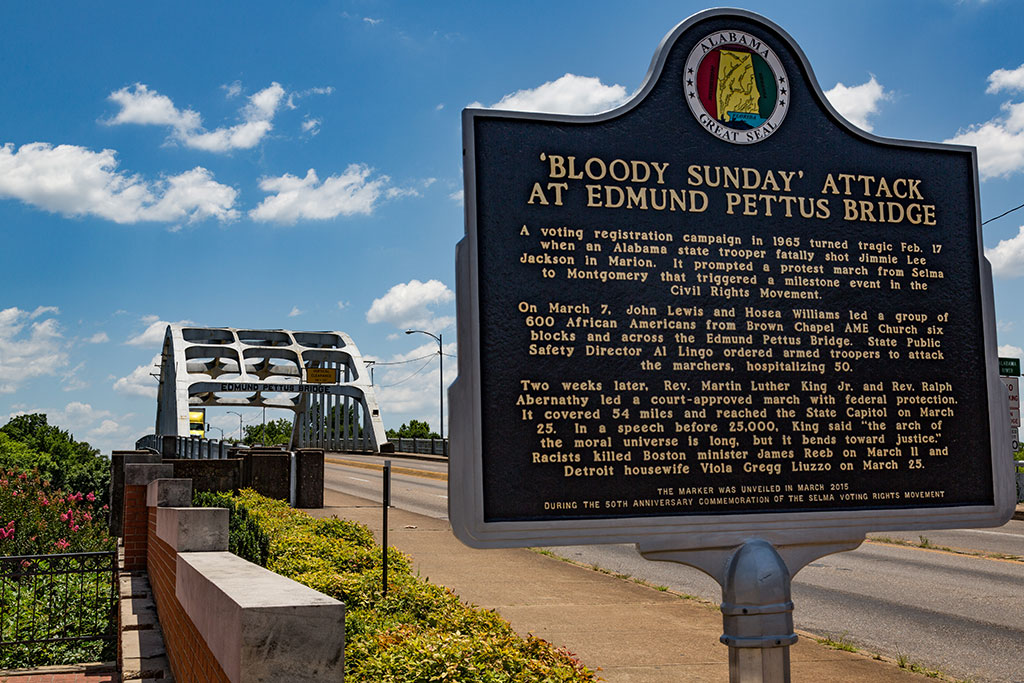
[215, 626]
[135, 522]
[190, 657]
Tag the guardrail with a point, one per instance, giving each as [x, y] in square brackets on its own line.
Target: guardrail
[187, 448]
[1019, 471]
[423, 446]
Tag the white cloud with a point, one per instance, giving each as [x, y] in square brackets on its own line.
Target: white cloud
[140, 382]
[459, 196]
[77, 415]
[71, 381]
[75, 181]
[145, 107]
[1007, 351]
[858, 102]
[570, 94]
[232, 89]
[371, 21]
[1000, 141]
[99, 427]
[1007, 257]
[1006, 79]
[154, 333]
[409, 305]
[342, 305]
[295, 311]
[28, 349]
[106, 428]
[311, 126]
[142, 106]
[396, 192]
[98, 338]
[43, 310]
[292, 96]
[294, 198]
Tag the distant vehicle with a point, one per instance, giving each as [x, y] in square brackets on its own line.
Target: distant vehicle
[197, 422]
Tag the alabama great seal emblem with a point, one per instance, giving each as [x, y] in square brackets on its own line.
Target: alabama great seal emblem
[736, 87]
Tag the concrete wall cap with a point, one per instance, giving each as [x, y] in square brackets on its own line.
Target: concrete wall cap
[188, 529]
[259, 625]
[140, 474]
[169, 493]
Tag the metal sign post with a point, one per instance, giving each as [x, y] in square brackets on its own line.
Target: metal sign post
[385, 504]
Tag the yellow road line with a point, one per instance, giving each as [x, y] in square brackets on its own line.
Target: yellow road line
[976, 554]
[396, 469]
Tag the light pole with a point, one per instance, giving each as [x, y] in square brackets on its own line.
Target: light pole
[440, 363]
[370, 364]
[231, 412]
[209, 427]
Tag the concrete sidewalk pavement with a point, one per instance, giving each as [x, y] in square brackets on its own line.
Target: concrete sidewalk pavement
[631, 632]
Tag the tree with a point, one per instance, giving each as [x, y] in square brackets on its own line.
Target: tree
[414, 430]
[73, 466]
[278, 432]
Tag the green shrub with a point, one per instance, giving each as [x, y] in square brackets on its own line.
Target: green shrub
[419, 631]
[245, 537]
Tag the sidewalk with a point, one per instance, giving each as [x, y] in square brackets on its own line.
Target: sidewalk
[633, 633]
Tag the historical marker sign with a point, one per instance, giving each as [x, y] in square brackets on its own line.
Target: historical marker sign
[1009, 367]
[718, 308]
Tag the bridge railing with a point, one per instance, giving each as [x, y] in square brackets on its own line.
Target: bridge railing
[187, 447]
[421, 446]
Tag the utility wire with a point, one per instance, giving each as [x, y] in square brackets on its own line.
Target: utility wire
[409, 377]
[413, 360]
[403, 362]
[1003, 214]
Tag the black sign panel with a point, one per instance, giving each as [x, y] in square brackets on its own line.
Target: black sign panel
[722, 298]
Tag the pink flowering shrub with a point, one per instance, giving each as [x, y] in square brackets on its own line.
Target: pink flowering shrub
[38, 520]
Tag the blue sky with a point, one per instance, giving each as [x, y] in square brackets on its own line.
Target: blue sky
[298, 165]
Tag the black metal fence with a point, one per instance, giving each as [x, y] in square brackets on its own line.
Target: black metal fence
[57, 609]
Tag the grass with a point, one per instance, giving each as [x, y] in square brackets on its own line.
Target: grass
[840, 643]
[904, 663]
[924, 542]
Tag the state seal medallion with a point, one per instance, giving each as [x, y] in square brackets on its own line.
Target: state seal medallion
[736, 87]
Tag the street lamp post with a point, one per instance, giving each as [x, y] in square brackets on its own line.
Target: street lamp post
[440, 362]
[209, 427]
[231, 412]
[370, 364]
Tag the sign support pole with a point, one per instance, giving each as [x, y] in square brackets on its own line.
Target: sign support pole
[757, 605]
[757, 614]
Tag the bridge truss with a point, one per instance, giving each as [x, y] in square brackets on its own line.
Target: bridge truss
[320, 376]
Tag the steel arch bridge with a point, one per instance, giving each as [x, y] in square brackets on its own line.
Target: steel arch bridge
[320, 376]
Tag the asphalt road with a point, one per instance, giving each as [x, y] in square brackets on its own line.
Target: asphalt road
[960, 614]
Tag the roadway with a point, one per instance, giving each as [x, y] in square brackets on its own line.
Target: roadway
[957, 613]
